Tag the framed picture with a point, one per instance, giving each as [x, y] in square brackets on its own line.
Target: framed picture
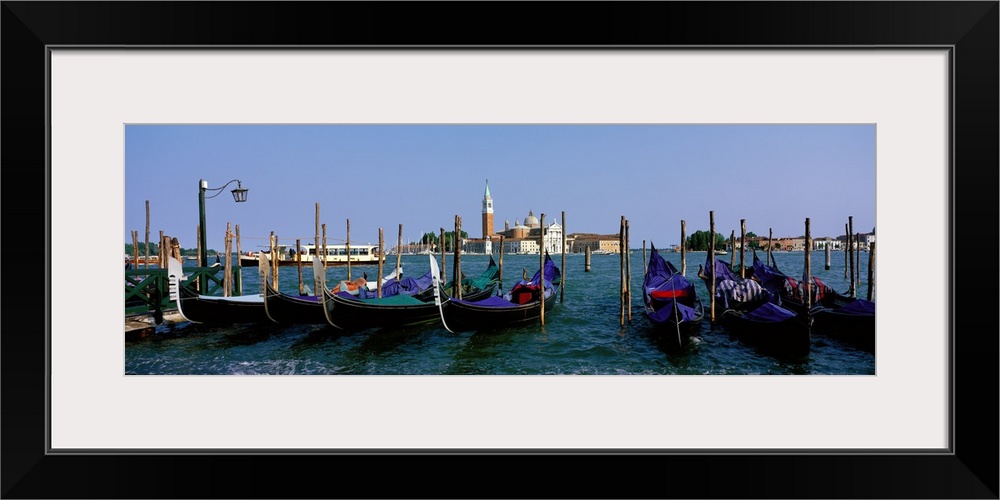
[919, 76]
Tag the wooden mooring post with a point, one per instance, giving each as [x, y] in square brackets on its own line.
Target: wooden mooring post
[847, 251]
[586, 259]
[711, 262]
[857, 258]
[316, 289]
[347, 248]
[146, 263]
[807, 279]
[135, 248]
[684, 265]
[871, 270]
[456, 289]
[164, 248]
[770, 236]
[443, 250]
[827, 267]
[743, 245]
[298, 263]
[850, 252]
[381, 246]
[399, 252]
[227, 280]
[500, 266]
[239, 253]
[621, 271]
[628, 275]
[274, 261]
[562, 288]
[541, 269]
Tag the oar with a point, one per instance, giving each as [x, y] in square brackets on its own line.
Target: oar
[436, 280]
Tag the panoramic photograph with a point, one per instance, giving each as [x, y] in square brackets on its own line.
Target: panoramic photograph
[542, 249]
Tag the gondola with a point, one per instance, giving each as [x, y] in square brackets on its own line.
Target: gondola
[289, 309]
[671, 303]
[520, 306]
[198, 308]
[398, 309]
[303, 309]
[770, 327]
[832, 314]
[473, 289]
[750, 312]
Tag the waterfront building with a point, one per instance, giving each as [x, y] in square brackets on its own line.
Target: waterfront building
[598, 243]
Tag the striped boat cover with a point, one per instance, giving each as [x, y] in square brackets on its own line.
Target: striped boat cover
[733, 292]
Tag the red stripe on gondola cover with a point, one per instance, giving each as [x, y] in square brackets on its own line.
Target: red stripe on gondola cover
[668, 294]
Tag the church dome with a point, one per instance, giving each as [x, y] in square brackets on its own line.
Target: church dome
[531, 220]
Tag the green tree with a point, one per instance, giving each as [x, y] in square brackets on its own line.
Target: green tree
[699, 241]
[154, 249]
[429, 239]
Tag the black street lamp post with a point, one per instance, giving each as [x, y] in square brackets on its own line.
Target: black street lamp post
[239, 194]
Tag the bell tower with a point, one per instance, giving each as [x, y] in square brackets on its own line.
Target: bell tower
[487, 212]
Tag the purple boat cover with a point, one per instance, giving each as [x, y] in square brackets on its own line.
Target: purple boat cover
[769, 313]
[492, 301]
[662, 275]
[722, 271]
[666, 313]
[772, 279]
[551, 274]
[860, 307]
[406, 286]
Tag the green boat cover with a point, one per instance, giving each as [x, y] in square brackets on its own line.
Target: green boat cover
[395, 300]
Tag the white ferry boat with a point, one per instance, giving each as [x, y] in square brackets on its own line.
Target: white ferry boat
[336, 255]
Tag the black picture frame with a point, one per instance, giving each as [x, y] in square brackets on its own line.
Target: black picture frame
[970, 29]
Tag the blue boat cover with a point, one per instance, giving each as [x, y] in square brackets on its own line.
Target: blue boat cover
[406, 286]
[772, 279]
[860, 307]
[769, 313]
[666, 313]
[722, 271]
[552, 273]
[492, 301]
[662, 275]
[667, 291]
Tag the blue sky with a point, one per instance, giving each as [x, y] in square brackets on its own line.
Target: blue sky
[421, 176]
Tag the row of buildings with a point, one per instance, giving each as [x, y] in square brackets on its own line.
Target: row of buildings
[524, 237]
